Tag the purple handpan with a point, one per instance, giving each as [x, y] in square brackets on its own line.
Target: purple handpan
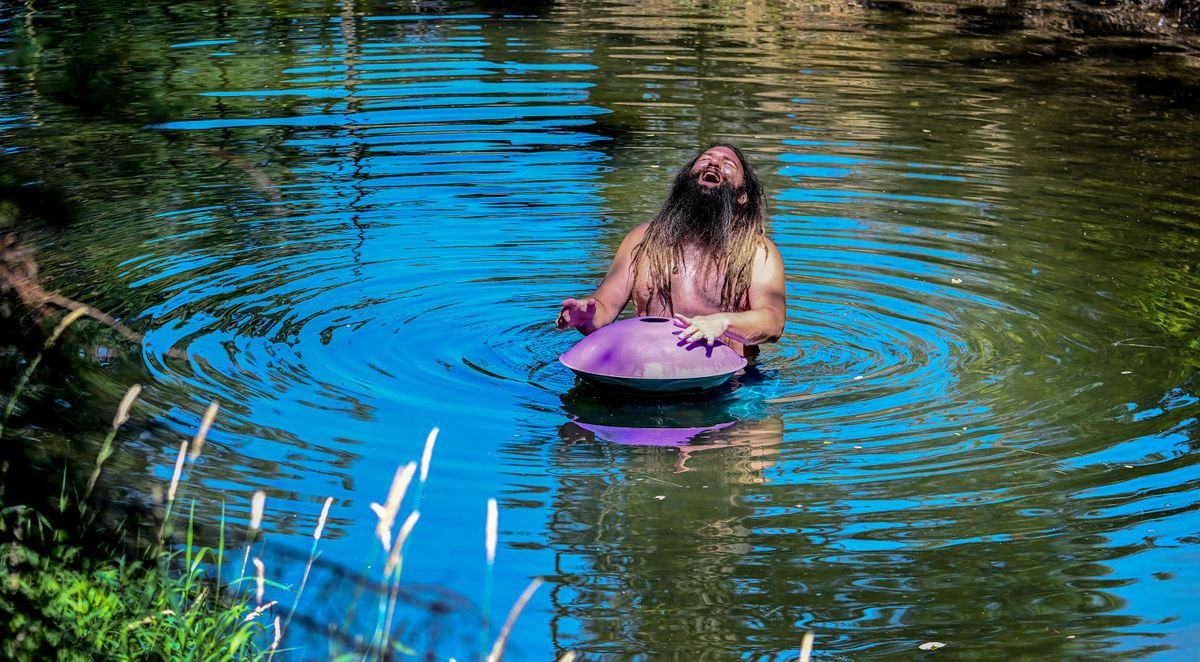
[648, 436]
[646, 354]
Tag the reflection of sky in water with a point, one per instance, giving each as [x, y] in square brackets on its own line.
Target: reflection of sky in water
[949, 441]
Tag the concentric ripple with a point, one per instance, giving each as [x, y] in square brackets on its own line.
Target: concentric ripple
[978, 428]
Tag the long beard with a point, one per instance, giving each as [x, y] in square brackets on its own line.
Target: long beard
[707, 218]
[700, 215]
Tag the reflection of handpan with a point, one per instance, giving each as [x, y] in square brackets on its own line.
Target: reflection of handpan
[648, 436]
[646, 354]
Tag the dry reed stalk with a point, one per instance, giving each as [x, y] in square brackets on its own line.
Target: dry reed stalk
[312, 555]
[175, 477]
[394, 557]
[321, 520]
[497, 652]
[279, 637]
[259, 611]
[65, 322]
[257, 505]
[427, 454]
[260, 579]
[387, 512]
[568, 656]
[106, 448]
[490, 531]
[806, 647]
[202, 434]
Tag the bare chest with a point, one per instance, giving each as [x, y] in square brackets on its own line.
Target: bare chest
[695, 288]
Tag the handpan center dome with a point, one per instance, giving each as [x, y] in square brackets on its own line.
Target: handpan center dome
[646, 354]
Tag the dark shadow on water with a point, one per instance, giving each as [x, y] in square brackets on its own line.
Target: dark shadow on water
[686, 422]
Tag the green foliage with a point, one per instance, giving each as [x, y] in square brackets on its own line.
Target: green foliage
[69, 590]
[68, 600]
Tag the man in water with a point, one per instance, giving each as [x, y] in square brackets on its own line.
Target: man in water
[705, 259]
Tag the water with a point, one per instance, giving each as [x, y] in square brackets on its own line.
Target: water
[357, 221]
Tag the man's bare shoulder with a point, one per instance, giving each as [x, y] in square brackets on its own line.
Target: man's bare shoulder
[767, 251]
[634, 237]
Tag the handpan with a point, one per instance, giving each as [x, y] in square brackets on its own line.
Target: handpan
[648, 436]
[646, 354]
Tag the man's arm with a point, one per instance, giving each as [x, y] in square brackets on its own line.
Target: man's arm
[609, 299]
[764, 321]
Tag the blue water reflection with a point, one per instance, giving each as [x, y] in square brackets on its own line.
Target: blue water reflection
[439, 200]
[974, 426]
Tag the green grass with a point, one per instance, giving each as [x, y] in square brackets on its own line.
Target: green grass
[71, 589]
[74, 600]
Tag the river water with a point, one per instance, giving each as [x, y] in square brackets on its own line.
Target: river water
[357, 221]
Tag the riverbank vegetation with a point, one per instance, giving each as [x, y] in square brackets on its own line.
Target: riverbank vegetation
[68, 595]
[82, 578]
[75, 584]
[90, 572]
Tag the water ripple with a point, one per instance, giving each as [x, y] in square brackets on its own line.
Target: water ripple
[981, 419]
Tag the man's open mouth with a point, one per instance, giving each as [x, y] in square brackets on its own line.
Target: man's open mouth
[710, 177]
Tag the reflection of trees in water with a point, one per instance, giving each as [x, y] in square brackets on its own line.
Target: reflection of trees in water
[88, 79]
[713, 564]
[338, 615]
[1024, 96]
[1089, 18]
[735, 543]
[648, 548]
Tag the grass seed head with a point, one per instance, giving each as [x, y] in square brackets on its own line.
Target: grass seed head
[178, 472]
[256, 509]
[427, 455]
[260, 579]
[387, 512]
[490, 531]
[64, 323]
[321, 520]
[398, 547]
[126, 405]
[205, 424]
[278, 635]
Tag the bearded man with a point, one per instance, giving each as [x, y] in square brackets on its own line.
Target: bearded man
[705, 260]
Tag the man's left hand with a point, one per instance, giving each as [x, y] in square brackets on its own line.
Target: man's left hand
[702, 327]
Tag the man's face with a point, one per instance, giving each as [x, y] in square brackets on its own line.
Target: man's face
[718, 166]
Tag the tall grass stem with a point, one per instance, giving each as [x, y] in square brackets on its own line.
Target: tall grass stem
[106, 448]
[221, 547]
[497, 652]
[426, 460]
[174, 487]
[490, 533]
[23, 381]
[257, 504]
[312, 556]
[393, 569]
[202, 433]
[391, 506]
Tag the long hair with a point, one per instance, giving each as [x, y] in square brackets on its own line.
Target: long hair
[728, 234]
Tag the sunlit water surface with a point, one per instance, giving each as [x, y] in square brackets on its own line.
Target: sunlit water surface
[358, 221]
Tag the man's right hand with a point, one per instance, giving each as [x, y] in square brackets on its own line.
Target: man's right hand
[576, 313]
